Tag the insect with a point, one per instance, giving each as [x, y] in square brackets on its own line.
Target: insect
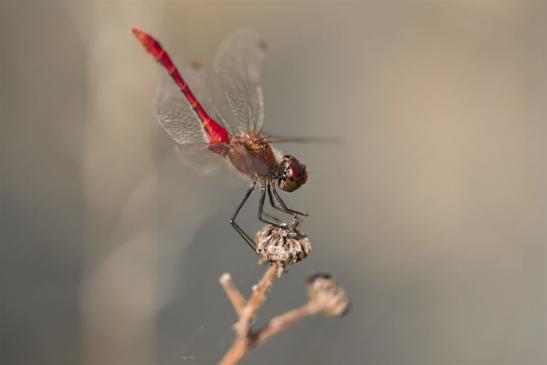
[189, 123]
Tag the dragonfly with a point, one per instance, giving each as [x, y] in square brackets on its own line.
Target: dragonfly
[239, 140]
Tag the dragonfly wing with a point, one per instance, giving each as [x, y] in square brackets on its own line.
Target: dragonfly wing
[198, 80]
[200, 158]
[205, 163]
[308, 139]
[237, 63]
[175, 114]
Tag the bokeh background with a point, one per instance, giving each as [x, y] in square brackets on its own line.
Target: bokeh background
[432, 212]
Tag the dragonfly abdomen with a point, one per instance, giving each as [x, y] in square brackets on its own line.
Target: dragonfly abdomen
[215, 132]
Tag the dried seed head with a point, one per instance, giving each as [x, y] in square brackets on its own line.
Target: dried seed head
[285, 246]
[327, 295]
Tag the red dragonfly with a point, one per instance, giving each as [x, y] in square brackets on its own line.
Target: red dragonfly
[179, 112]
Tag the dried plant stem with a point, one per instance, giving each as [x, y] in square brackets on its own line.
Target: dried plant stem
[325, 296]
[284, 322]
[279, 247]
[245, 338]
[235, 296]
[259, 296]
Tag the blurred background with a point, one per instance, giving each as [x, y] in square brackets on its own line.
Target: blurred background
[432, 213]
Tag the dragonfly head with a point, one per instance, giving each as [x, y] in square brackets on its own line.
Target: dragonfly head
[291, 173]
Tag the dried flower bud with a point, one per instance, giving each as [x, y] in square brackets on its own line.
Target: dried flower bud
[285, 246]
[327, 295]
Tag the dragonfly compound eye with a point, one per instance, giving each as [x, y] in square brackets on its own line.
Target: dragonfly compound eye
[292, 174]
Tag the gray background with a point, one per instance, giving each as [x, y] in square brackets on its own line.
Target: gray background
[432, 213]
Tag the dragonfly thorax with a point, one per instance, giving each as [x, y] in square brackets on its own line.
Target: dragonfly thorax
[253, 157]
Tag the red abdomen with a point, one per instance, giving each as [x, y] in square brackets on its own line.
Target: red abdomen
[216, 133]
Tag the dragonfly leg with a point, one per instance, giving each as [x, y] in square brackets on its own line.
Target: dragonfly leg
[272, 202]
[248, 240]
[261, 209]
[272, 217]
[284, 208]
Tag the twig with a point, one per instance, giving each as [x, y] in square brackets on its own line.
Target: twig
[284, 322]
[245, 338]
[280, 247]
[259, 296]
[325, 297]
[233, 293]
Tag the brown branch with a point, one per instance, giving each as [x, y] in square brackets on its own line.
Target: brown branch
[245, 339]
[235, 296]
[280, 247]
[284, 322]
[259, 296]
[324, 296]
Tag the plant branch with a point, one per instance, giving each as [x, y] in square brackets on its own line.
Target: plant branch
[279, 247]
[245, 338]
[235, 296]
[284, 322]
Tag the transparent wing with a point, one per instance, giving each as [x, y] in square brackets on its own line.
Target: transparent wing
[312, 139]
[237, 64]
[205, 163]
[198, 79]
[175, 114]
[200, 158]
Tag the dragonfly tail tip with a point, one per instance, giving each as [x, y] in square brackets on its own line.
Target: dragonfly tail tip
[141, 35]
